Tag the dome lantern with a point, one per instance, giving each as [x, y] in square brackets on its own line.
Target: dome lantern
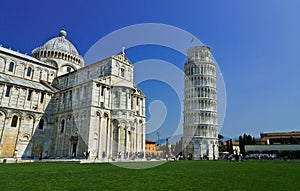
[63, 33]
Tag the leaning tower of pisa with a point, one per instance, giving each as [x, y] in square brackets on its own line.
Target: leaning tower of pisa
[200, 128]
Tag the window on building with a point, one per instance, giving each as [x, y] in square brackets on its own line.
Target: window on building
[7, 92]
[41, 124]
[62, 126]
[122, 72]
[70, 96]
[69, 69]
[14, 121]
[85, 90]
[102, 90]
[101, 71]
[11, 67]
[42, 97]
[137, 101]
[29, 95]
[77, 94]
[29, 72]
[62, 97]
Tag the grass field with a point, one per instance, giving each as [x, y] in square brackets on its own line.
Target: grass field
[178, 175]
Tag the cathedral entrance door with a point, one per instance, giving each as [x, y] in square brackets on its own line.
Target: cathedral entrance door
[74, 150]
[74, 140]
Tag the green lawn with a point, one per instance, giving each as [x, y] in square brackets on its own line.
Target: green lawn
[178, 175]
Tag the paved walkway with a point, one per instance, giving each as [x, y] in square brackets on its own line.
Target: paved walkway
[13, 160]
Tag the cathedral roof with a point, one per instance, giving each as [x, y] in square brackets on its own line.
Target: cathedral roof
[122, 58]
[23, 82]
[61, 43]
[59, 47]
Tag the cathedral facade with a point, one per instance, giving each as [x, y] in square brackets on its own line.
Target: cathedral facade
[51, 106]
[200, 128]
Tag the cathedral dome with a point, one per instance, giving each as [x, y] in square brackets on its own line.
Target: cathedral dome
[61, 43]
[59, 47]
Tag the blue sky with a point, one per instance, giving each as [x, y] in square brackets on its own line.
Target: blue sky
[256, 44]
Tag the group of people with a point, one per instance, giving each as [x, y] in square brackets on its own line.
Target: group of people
[86, 154]
[231, 157]
[240, 157]
[133, 155]
[128, 155]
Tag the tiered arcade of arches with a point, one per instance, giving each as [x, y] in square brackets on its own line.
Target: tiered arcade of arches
[193, 81]
[26, 70]
[117, 140]
[201, 104]
[201, 92]
[194, 118]
[58, 54]
[17, 130]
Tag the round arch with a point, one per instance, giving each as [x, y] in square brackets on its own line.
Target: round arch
[98, 113]
[30, 116]
[4, 112]
[18, 113]
[105, 115]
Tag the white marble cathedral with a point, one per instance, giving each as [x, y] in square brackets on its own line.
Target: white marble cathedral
[200, 129]
[52, 106]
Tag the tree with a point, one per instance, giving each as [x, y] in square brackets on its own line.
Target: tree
[230, 146]
[241, 144]
[246, 140]
[249, 140]
[167, 146]
[253, 141]
[227, 146]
